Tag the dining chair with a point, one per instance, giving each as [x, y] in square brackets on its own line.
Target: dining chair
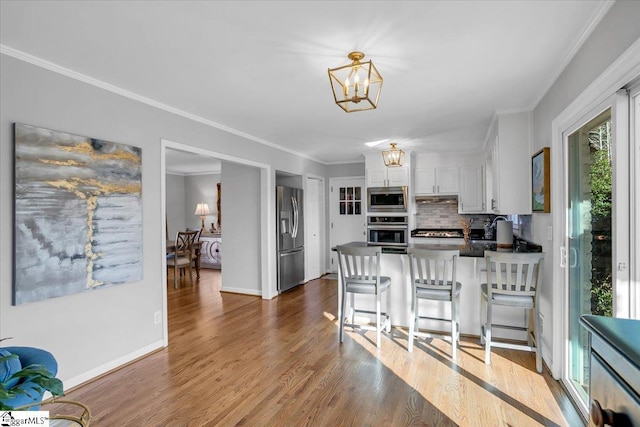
[433, 277]
[360, 274]
[513, 280]
[182, 256]
[196, 250]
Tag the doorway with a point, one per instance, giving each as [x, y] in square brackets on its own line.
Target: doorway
[263, 239]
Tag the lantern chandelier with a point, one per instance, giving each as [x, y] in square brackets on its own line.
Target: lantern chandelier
[393, 157]
[356, 87]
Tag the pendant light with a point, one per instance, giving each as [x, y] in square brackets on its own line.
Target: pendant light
[393, 157]
[356, 86]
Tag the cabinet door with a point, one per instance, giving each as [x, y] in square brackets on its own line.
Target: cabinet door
[496, 177]
[376, 178]
[397, 176]
[471, 190]
[425, 181]
[447, 180]
[375, 170]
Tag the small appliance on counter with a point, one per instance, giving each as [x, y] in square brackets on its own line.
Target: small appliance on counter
[504, 234]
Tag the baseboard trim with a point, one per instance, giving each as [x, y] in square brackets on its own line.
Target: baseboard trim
[110, 366]
[252, 292]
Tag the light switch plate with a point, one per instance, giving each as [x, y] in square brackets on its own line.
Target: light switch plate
[549, 232]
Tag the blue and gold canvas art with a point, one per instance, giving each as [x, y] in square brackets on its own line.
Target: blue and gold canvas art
[78, 214]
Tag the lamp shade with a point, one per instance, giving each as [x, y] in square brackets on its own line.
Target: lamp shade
[393, 156]
[356, 86]
[202, 209]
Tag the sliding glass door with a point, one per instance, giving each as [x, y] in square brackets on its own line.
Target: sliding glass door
[590, 238]
[597, 219]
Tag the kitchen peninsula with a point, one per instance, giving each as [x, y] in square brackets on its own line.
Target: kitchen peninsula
[470, 272]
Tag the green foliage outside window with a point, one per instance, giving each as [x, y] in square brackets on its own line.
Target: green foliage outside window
[600, 180]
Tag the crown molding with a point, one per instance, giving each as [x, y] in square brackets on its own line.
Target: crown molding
[42, 63]
[573, 50]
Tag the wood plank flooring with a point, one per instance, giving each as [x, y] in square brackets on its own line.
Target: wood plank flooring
[239, 360]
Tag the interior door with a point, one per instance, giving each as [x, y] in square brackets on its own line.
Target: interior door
[347, 215]
[313, 204]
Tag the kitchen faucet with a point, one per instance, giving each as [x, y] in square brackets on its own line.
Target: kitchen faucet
[493, 224]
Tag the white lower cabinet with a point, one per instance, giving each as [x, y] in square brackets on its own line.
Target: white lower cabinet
[211, 252]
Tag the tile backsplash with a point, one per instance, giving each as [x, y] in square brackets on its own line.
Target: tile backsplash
[436, 215]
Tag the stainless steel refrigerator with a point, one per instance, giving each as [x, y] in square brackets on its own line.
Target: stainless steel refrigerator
[290, 229]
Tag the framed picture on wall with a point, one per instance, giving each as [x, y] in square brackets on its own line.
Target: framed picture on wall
[540, 181]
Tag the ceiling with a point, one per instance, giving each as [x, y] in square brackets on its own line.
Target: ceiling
[179, 162]
[259, 69]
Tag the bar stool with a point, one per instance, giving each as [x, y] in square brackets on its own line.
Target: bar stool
[515, 279]
[360, 274]
[433, 277]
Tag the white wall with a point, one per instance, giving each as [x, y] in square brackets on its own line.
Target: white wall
[175, 200]
[241, 219]
[92, 332]
[201, 188]
[614, 34]
[183, 193]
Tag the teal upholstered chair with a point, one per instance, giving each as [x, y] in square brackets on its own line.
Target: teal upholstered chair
[9, 366]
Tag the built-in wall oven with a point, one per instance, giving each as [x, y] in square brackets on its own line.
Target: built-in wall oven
[387, 199]
[388, 231]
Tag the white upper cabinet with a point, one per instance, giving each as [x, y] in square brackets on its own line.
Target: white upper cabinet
[379, 175]
[436, 180]
[509, 156]
[471, 198]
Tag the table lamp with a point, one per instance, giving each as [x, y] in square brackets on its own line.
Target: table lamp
[202, 209]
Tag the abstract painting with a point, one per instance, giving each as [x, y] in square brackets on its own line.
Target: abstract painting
[540, 181]
[78, 214]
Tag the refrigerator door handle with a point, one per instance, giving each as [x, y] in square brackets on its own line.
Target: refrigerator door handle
[294, 203]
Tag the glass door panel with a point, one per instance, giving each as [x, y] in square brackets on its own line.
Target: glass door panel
[590, 239]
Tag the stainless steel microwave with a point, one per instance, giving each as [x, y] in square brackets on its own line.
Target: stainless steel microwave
[387, 199]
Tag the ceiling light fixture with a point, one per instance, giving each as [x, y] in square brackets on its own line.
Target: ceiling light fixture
[393, 157]
[356, 87]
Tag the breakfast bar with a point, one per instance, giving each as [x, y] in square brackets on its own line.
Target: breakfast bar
[471, 271]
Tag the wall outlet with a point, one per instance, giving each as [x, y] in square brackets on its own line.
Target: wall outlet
[541, 317]
[157, 318]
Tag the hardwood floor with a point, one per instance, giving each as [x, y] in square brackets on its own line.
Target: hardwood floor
[240, 360]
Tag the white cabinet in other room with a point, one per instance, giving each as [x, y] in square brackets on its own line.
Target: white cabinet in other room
[379, 175]
[211, 251]
[441, 180]
[511, 165]
[471, 190]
